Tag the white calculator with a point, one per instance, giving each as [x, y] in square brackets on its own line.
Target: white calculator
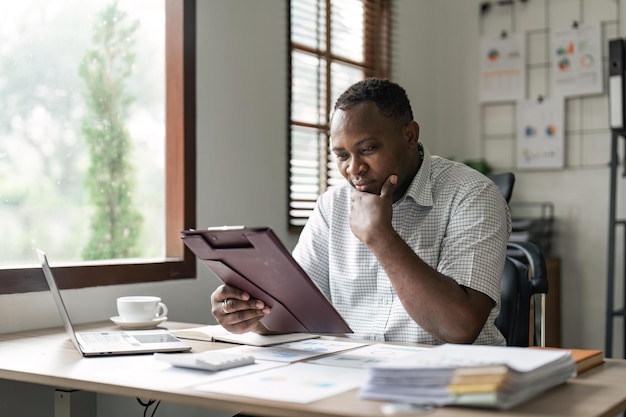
[211, 360]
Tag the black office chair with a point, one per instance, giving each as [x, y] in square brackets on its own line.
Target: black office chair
[505, 182]
[523, 290]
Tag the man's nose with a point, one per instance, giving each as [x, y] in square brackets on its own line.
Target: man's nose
[356, 166]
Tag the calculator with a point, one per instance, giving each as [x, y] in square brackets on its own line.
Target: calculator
[211, 360]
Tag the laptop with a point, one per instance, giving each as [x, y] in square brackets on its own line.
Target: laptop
[113, 342]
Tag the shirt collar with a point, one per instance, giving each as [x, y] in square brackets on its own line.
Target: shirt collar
[420, 189]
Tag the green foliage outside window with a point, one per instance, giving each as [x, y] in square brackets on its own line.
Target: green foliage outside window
[115, 224]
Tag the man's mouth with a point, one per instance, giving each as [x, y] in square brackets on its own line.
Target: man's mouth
[362, 185]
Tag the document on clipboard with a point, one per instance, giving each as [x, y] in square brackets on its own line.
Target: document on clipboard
[254, 260]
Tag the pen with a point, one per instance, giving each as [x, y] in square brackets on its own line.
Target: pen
[391, 409]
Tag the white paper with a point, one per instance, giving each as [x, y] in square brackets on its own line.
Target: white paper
[502, 68]
[520, 359]
[368, 355]
[576, 59]
[296, 351]
[296, 383]
[540, 134]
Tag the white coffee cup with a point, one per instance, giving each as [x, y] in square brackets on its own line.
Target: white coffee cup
[140, 308]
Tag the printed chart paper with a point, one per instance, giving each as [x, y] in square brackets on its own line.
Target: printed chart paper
[576, 61]
[540, 134]
[296, 351]
[502, 69]
[296, 383]
[367, 356]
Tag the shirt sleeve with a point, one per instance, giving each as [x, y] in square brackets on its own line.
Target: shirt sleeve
[311, 251]
[474, 248]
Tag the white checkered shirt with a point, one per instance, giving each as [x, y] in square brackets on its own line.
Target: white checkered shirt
[454, 218]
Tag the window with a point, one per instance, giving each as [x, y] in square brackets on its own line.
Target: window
[334, 43]
[172, 261]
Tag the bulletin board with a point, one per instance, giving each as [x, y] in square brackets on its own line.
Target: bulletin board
[572, 140]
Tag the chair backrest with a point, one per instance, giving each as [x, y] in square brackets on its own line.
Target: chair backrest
[513, 321]
[505, 182]
[524, 277]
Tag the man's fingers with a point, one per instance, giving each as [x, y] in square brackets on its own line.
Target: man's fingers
[231, 305]
[241, 321]
[388, 187]
[226, 292]
[234, 293]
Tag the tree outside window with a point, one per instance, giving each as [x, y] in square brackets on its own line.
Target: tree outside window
[97, 141]
[82, 132]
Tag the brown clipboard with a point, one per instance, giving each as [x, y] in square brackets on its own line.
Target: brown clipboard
[254, 260]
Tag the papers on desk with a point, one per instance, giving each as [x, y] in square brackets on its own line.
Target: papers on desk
[147, 372]
[472, 375]
[297, 351]
[366, 356]
[296, 383]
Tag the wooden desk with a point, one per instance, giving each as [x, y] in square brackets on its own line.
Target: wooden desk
[47, 357]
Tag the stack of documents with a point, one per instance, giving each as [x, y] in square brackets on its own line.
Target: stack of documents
[471, 375]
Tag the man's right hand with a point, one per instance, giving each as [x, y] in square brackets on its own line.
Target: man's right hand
[236, 311]
[371, 214]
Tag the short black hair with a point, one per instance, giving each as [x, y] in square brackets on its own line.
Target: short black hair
[389, 97]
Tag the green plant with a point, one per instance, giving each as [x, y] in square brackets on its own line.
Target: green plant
[115, 223]
[479, 165]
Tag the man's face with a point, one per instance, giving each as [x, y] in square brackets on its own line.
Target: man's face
[370, 147]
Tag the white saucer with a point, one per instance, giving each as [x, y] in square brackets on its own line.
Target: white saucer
[136, 325]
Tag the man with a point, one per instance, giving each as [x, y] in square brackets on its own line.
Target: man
[411, 248]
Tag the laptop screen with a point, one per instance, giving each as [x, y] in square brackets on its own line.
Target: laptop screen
[57, 298]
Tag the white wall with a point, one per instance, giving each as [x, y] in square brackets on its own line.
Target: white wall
[434, 60]
[242, 118]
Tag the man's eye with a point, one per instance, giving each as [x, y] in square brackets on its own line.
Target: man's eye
[342, 156]
[368, 149]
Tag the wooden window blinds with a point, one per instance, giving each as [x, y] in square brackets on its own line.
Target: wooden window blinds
[333, 43]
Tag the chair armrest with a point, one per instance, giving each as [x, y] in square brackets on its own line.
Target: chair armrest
[537, 263]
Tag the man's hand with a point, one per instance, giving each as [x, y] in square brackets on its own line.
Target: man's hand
[370, 214]
[236, 311]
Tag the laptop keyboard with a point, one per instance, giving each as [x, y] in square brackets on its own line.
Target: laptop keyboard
[109, 340]
[155, 338]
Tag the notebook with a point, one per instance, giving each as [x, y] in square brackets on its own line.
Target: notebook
[254, 260]
[115, 342]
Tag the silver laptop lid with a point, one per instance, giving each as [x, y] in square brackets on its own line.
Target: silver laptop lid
[57, 298]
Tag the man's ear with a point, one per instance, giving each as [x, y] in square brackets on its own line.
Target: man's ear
[412, 133]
